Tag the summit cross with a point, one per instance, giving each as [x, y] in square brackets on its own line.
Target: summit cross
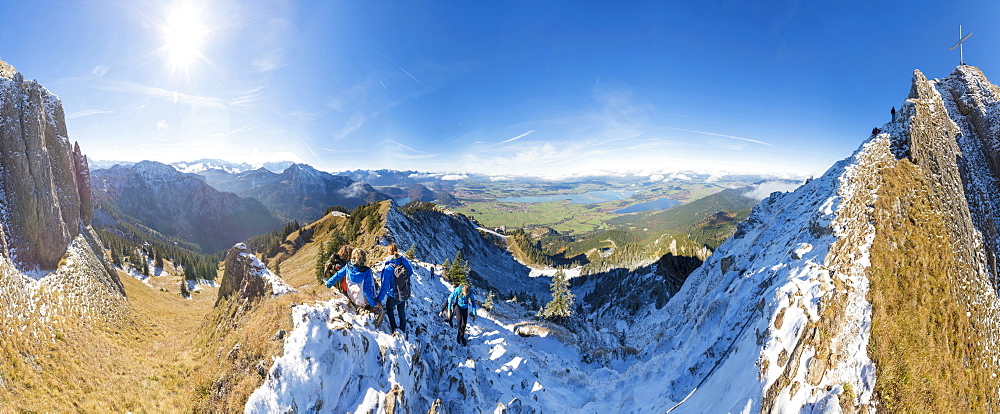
[961, 41]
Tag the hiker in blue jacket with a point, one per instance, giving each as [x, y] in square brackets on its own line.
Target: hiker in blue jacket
[359, 280]
[462, 303]
[393, 295]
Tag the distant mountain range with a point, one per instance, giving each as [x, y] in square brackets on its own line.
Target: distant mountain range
[177, 205]
[299, 193]
[203, 164]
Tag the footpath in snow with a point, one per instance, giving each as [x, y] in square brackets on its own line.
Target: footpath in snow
[336, 360]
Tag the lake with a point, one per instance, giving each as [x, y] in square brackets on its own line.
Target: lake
[658, 204]
[590, 197]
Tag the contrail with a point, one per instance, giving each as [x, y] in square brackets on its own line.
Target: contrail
[383, 86]
[399, 67]
[724, 136]
[518, 137]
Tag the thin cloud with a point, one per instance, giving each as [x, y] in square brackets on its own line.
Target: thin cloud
[230, 133]
[353, 124]
[272, 53]
[100, 71]
[518, 137]
[409, 153]
[87, 112]
[723, 136]
[400, 68]
[172, 96]
[248, 97]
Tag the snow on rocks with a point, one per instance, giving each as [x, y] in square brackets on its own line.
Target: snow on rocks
[337, 360]
[745, 333]
[248, 277]
[742, 333]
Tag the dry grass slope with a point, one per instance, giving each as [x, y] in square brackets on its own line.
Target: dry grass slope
[238, 341]
[923, 344]
[136, 360]
[159, 352]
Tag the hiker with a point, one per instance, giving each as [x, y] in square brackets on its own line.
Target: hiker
[893, 112]
[359, 280]
[461, 304]
[395, 289]
[336, 262]
[875, 131]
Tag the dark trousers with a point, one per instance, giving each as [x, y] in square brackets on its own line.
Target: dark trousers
[463, 318]
[392, 305]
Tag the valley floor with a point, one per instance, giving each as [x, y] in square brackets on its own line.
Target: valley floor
[141, 360]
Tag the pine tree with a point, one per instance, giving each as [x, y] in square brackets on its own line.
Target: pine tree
[411, 253]
[158, 262]
[458, 271]
[184, 288]
[488, 303]
[321, 258]
[561, 306]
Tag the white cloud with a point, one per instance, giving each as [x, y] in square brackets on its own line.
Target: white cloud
[678, 177]
[87, 112]
[518, 137]
[656, 177]
[162, 126]
[723, 136]
[454, 177]
[398, 150]
[357, 189]
[764, 189]
[172, 96]
[100, 71]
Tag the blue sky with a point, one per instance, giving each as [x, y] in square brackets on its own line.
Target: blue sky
[520, 87]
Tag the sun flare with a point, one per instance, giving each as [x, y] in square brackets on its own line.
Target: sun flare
[184, 34]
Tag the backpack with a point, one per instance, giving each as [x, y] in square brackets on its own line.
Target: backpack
[356, 291]
[402, 281]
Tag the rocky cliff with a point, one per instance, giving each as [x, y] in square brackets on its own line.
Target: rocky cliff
[44, 181]
[246, 278]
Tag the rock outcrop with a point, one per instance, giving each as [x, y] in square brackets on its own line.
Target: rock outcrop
[44, 181]
[246, 278]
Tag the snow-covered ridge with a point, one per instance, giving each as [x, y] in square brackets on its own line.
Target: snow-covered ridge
[227, 166]
[741, 335]
[336, 360]
[437, 235]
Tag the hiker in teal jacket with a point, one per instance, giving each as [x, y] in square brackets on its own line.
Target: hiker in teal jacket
[391, 296]
[462, 303]
[360, 282]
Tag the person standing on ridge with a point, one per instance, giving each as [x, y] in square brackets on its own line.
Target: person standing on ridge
[395, 279]
[336, 262]
[462, 303]
[360, 283]
[893, 112]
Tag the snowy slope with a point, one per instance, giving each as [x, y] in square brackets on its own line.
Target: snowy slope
[336, 360]
[740, 336]
[437, 236]
[776, 320]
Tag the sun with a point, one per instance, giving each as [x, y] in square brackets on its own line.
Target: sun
[184, 34]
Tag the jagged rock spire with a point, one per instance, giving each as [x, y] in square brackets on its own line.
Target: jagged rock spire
[42, 177]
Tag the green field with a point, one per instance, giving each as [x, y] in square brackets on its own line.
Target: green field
[561, 233]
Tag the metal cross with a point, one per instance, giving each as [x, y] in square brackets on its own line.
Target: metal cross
[961, 57]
